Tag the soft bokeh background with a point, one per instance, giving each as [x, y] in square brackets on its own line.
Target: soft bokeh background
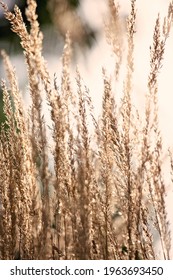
[92, 57]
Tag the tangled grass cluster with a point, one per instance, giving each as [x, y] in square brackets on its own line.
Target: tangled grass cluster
[105, 196]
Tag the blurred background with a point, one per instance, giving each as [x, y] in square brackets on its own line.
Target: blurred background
[56, 17]
[84, 20]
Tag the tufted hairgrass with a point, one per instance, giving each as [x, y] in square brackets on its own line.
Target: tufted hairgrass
[105, 196]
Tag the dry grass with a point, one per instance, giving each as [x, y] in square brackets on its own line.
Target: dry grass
[105, 197]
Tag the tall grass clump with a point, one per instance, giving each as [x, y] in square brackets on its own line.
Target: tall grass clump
[104, 197]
